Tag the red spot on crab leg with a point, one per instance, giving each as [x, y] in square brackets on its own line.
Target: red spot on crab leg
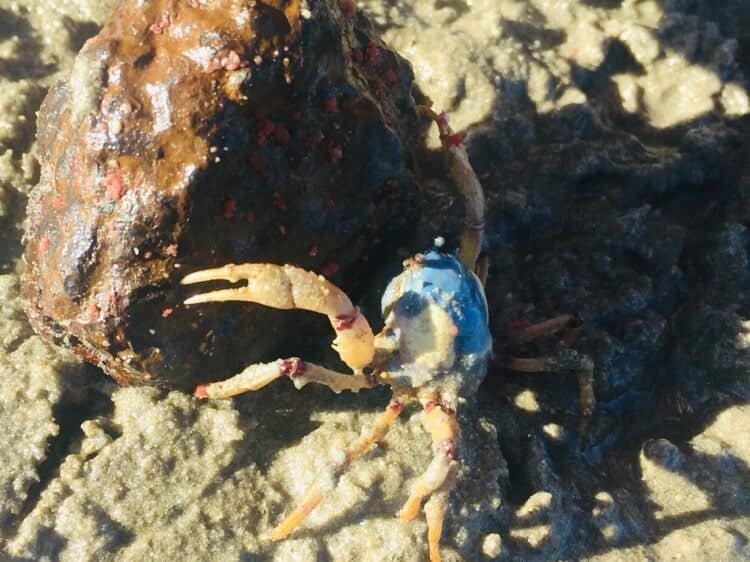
[344, 322]
[292, 367]
[396, 406]
[456, 139]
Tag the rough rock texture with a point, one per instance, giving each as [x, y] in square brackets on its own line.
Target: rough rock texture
[475, 58]
[194, 134]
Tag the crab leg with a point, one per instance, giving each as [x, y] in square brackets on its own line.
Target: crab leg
[564, 360]
[570, 324]
[254, 377]
[288, 287]
[315, 495]
[438, 480]
[468, 183]
[434, 511]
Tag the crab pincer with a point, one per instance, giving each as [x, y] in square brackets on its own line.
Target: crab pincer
[288, 287]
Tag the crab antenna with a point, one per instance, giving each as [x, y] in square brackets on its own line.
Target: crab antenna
[463, 174]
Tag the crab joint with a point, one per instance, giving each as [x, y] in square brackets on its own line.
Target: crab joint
[450, 449]
[292, 367]
[396, 406]
[345, 322]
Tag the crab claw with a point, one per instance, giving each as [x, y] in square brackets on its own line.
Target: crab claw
[287, 287]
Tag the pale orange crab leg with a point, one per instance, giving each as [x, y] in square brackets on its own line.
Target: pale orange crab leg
[288, 287]
[314, 496]
[254, 377]
[569, 324]
[468, 183]
[438, 480]
[434, 511]
[565, 360]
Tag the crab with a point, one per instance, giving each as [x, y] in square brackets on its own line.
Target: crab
[433, 349]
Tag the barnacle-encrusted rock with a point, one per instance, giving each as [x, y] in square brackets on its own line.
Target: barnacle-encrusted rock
[191, 134]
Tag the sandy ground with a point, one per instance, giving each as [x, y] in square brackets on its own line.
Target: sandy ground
[610, 139]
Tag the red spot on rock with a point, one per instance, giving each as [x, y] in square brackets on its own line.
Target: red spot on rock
[279, 202]
[264, 129]
[114, 186]
[171, 250]
[281, 134]
[92, 312]
[229, 208]
[233, 61]
[113, 305]
[347, 8]
[330, 104]
[372, 54]
[44, 245]
[378, 84]
[200, 391]
[335, 154]
[167, 312]
[159, 27]
[329, 269]
[58, 203]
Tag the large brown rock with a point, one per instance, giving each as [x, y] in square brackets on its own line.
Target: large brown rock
[195, 133]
